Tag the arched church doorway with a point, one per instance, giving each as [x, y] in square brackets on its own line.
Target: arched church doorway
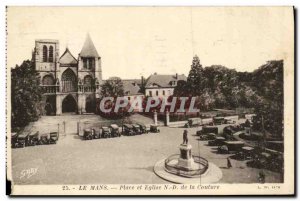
[69, 104]
[69, 81]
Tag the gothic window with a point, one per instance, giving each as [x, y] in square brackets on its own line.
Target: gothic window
[51, 53]
[164, 92]
[48, 80]
[45, 53]
[69, 81]
[88, 81]
[150, 93]
[157, 93]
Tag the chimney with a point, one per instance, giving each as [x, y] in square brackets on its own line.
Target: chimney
[176, 76]
[142, 80]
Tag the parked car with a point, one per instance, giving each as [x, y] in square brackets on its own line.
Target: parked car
[229, 121]
[87, 134]
[96, 133]
[218, 120]
[207, 136]
[106, 133]
[154, 128]
[53, 137]
[33, 138]
[115, 130]
[143, 128]
[44, 138]
[14, 139]
[246, 153]
[136, 129]
[231, 146]
[208, 129]
[194, 121]
[128, 130]
[23, 139]
[219, 141]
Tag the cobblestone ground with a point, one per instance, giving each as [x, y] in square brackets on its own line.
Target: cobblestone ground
[120, 160]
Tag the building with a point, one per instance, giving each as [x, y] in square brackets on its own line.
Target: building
[132, 91]
[162, 85]
[70, 85]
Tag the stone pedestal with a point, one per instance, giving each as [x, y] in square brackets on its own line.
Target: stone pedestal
[186, 160]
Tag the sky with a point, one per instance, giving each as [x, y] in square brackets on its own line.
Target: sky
[139, 41]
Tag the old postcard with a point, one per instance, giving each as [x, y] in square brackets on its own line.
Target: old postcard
[150, 100]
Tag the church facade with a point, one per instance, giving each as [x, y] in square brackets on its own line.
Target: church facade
[70, 85]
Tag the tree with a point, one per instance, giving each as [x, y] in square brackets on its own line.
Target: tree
[113, 87]
[181, 88]
[196, 80]
[25, 94]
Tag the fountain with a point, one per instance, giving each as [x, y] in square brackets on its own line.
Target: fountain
[187, 168]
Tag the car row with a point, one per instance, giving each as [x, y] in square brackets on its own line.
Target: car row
[32, 138]
[115, 131]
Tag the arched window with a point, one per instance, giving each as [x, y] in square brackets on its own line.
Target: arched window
[45, 53]
[51, 53]
[69, 81]
[88, 80]
[48, 80]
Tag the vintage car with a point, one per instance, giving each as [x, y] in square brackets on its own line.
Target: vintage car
[246, 153]
[106, 133]
[143, 128]
[115, 130]
[88, 134]
[44, 138]
[194, 122]
[53, 137]
[207, 136]
[128, 130]
[96, 132]
[231, 146]
[23, 139]
[208, 129]
[33, 138]
[219, 141]
[136, 129]
[229, 121]
[14, 139]
[218, 120]
[154, 128]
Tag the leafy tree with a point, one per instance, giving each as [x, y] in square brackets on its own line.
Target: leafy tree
[113, 87]
[181, 89]
[25, 94]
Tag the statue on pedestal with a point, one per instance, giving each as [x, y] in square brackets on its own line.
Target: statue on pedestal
[185, 137]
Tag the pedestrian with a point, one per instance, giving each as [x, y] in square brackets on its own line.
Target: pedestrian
[261, 177]
[185, 137]
[229, 163]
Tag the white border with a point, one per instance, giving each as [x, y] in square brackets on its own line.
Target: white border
[103, 2]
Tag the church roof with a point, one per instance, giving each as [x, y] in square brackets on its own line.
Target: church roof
[88, 49]
[67, 58]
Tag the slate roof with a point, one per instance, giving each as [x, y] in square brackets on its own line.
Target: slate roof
[163, 80]
[132, 87]
[88, 49]
[67, 59]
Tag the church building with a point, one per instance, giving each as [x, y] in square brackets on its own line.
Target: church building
[70, 84]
